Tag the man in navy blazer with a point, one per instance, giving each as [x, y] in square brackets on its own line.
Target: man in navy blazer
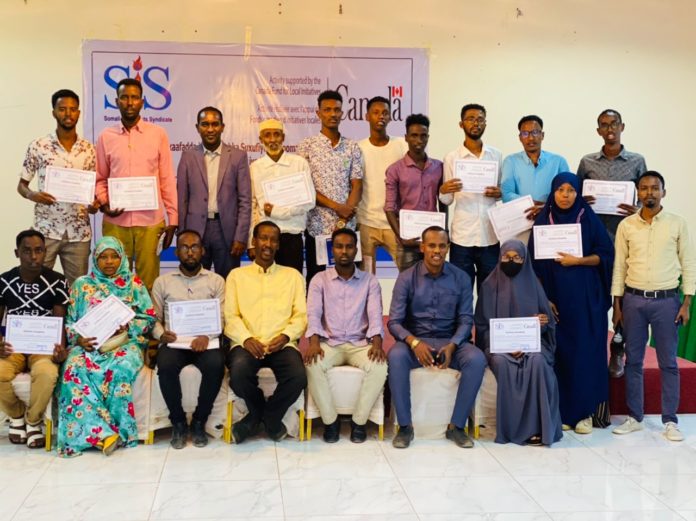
[214, 191]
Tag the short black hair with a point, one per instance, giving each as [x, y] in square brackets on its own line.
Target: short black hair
[417, 119]
[345, 231]
[29, 233]
[255, 232]
[434, 229]
[378, 99]
[329, 94]
[129, 81]
[607, 112]
[190, 231]
[531, 117]
[651, 173]
[63, 93]
[472, 106]
[208, 109]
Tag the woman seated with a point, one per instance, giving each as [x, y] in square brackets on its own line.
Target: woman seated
[96, 399]
[527, 403]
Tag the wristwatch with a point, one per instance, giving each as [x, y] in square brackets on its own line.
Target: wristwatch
[414, 343]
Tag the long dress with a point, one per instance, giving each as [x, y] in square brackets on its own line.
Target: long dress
[95, 395]
[527, 398]
[582, 297]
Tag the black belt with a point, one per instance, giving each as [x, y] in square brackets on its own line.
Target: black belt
[658, 293]
[215, 217]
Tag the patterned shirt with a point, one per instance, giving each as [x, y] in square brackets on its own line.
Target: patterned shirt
[332, 169]
[59, 219]
[32, 298]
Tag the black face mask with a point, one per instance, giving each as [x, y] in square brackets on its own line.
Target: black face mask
[510, 268]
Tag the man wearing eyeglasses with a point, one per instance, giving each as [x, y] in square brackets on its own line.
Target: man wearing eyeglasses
[531, 171]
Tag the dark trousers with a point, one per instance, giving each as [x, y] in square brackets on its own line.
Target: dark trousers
[289, 371]
[477, 261]
[170, 362]
[217, 253]
[291, 251]
[311, 257]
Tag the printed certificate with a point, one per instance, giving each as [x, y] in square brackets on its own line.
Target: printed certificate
[33, 335]
[513, 335]
[510, 219]
[412, 222]
[476, 175]
[609, 195]
[133, 193]
[288, 190]
[192, 318]
[103, 320]
[553, 238]
[69, 185]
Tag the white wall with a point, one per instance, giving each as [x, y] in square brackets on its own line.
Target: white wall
[565, 60]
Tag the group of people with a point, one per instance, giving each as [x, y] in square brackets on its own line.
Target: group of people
[217, 203]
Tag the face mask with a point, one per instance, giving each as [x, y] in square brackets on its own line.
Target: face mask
[510, 268]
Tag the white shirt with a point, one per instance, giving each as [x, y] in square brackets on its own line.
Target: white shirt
[470, 223]
[377, 160]
[212, 166]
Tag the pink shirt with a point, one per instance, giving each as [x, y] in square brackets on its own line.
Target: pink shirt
[144, 151]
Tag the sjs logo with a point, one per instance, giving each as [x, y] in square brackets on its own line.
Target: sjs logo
[155, 81]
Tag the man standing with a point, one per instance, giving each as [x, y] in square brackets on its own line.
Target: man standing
[344, 309]
[215, 194]
[35, 290]
[66, 226]
[412, 183]
[265, 316]
[379, 152]
[135, 148]
[431, 316]
[475, 248]
[190, 282]
[531, 171]
[653, 250]
[335, 163]
[292, 220]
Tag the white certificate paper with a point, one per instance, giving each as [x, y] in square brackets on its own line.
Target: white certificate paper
[133, 193]
[69, 185]
[191, 318]
[103, 320]
[553, 238]
[513, 335]
[510, 219]
[288, 190]
[609, 195]
[476, 175]
[324, 247]
[33, 335]
[412, 222]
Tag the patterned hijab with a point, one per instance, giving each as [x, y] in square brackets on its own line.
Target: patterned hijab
[121, 282]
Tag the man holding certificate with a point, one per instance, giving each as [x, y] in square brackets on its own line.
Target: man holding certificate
[63, 221]
[30, 292]
[282, 192]
[136, 155]
[188, 304]
[431, 317]
[412, 184]
[472, 182]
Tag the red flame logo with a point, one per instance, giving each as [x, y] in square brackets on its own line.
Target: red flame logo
[138, 64]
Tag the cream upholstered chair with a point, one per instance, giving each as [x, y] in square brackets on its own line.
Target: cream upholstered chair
[345, 382]
[142, 389]
[22, 388]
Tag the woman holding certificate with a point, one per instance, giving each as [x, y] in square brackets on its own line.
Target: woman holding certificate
[95, 400]
[527, 402]
[579, 290]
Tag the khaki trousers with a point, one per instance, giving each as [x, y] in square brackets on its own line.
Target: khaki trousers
[44, 374]
[355, 356]
[74, 257]
[370, 238]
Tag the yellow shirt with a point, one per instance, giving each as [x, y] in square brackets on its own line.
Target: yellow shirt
[652, 256]
[264, 305]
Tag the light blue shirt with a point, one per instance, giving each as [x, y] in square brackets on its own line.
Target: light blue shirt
[521, 177]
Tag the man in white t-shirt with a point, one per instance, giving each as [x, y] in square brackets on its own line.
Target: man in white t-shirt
[379, 151]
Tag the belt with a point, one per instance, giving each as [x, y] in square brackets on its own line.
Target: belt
[215, 217]
[658, 293]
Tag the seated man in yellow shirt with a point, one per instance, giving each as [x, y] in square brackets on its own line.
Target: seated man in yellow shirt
[265, 316]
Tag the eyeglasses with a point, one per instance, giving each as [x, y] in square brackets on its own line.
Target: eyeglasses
[196, 248]
[472, 119]
[515, 258]
[614, 125]
[534, 133]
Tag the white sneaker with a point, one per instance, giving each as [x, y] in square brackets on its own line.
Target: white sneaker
[584, 426]
[629, 425]
[672, 432]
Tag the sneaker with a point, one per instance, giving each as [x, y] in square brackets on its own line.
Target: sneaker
[584, 426]
[331, 431]
[567, 427]
[244, 428]
[403, 438]
[198, 435]
[459, 437]
[358, 433]
[179, 434]
[672, 432]
[629, 425]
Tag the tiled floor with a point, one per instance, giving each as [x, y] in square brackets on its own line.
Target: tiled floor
[599, 477]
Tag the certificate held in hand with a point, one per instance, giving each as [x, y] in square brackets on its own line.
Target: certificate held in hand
[288, 190]
[550, 239]
[102, 321]
[412, 222]
[32, 335]
[515, 335]
[192, 318]
[69, 185]
[509, 219]
[476, 176]
[609, 195]
[133, 193]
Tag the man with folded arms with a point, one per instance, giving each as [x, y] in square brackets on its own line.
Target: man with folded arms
[190, 282]
[265, 316]
[344, 309]
[34, 290]
[653, 249]
[431, 316]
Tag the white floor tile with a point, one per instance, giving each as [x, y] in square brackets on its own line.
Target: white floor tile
[13, 491]
[656, 515]
[511, 516]
[677, 492]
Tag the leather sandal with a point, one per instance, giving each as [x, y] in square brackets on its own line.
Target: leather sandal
[35, 436]
[18, 431]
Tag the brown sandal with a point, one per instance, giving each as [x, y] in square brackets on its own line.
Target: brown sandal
[18, 431]
[35, 436]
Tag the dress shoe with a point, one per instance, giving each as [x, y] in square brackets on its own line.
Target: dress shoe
[278, 434]
[403, 438]
[244, 428]
[179, 434]
[358, 433]
[459, 437]
[331, 431]
[198, 435]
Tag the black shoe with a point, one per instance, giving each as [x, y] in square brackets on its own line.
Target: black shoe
[358, 434]
[277, 435]
[244, 428]
[198, 435]
[616, 362]
[459, 437]
[331, 431]
[179, 435]
[403, 438]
